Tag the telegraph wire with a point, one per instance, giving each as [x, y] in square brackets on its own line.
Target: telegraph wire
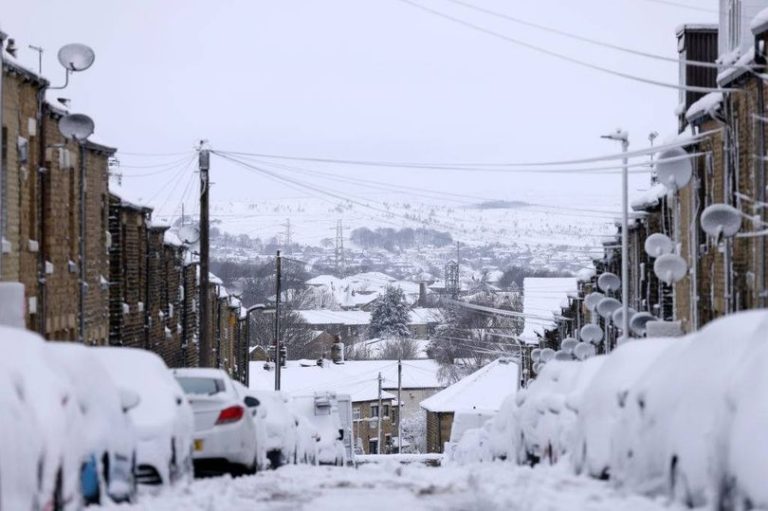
[561, 56]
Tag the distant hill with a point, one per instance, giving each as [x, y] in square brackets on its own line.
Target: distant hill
[501, 204]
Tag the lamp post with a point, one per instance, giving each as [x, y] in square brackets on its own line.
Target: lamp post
[623, 137]
[246, 362]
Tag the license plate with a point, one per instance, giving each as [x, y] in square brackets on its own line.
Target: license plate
[198, 445]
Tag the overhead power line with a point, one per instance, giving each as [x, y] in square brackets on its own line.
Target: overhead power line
[587, 40]
[562, 56]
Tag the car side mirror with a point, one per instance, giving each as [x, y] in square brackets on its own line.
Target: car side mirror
[251, 402]
[179, 400]
[129, 399]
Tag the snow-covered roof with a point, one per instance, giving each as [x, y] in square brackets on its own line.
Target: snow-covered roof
[417, 316]
[737, 64]
[759, 23]
[373, 348]
[649, 198]
[484, 390]
[542, 299]
[585, 274]
[170, 238]
[706, 105]
[362, 288]
[359, 378]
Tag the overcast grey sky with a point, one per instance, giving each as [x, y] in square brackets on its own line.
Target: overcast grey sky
[373, 79]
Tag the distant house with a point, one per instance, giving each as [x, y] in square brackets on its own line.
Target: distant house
[352, 325]
[359, 379]
[482, 391]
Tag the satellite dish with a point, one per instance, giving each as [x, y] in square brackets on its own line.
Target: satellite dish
[609, 282]
[670, 268]
[563, 356]
[721, 219]
[547, 354]
[592, 299]
[568, 344]
[584, 350]
[676, 173]
[76, 127]
[618, 316]
[591, 333]
[76, 57]
[639, 321]
[189, 234]
[607, 306]
[537, 367]
[658, 244]
[536, 354]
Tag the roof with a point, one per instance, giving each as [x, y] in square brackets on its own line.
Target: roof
[759, 23]
[358, 378]
[704, 106]
[649, 198]
[542, 299]
[485, 389]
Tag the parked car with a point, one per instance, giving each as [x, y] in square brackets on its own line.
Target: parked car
[321, 409]
[225, 435]
[603, 400]
[686, 403]
[108, 433]
[52, 401]
[21, 439]
[163, 418]
[743, 484]
[473, 446]
[258, 414]
[503, 428]
[281, 427]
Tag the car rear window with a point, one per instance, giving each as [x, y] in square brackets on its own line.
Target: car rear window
[205, 386]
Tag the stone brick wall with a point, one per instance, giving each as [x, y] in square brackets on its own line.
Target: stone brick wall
[365, 430]
[438, 430]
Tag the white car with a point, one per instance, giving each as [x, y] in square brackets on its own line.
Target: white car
[603, 399]
[744, 483]
[258, 413]
[281, 427]
[473, 447]
[321, 409]
[21, 438]
[686, 404]
[163, 418]
[108, 433]
[41, 385]
[225, 434]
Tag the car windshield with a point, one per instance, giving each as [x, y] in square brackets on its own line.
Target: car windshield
[199, 385]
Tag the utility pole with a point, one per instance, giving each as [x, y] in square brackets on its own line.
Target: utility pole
[378, 422]
[278, 277]
[205, 338]
[399, 404]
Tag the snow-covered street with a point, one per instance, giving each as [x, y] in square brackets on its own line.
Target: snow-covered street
[490, 486]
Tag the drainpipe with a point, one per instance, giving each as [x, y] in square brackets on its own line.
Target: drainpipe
[83, 276]
[3, 36]
[760, 188]
[42, 235]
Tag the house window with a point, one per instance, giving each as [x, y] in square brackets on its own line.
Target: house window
[373, 446]
[386, 410]
[356, 413]
[374, 410]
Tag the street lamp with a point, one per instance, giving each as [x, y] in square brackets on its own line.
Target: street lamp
[246, 362]
[623, 137]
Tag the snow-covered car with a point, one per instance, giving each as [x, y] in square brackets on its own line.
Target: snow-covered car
[21, 439]
[281, 427]
[163, 418]
[40, 383]
[258, 414]
[321, 409]
[744, 482]
[545, 396]
[502, 431]
[603, 399]
[565, 429]
[109, 438]
[685, 403]
[225, 435]
[306, 440]
[474, 446]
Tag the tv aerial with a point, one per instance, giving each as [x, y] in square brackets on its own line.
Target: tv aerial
[607, 306]
[77, 127]
[674, 169]
[721, 220]
[638, 323]
[670, 268]
[609, 282]
[658, 244]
